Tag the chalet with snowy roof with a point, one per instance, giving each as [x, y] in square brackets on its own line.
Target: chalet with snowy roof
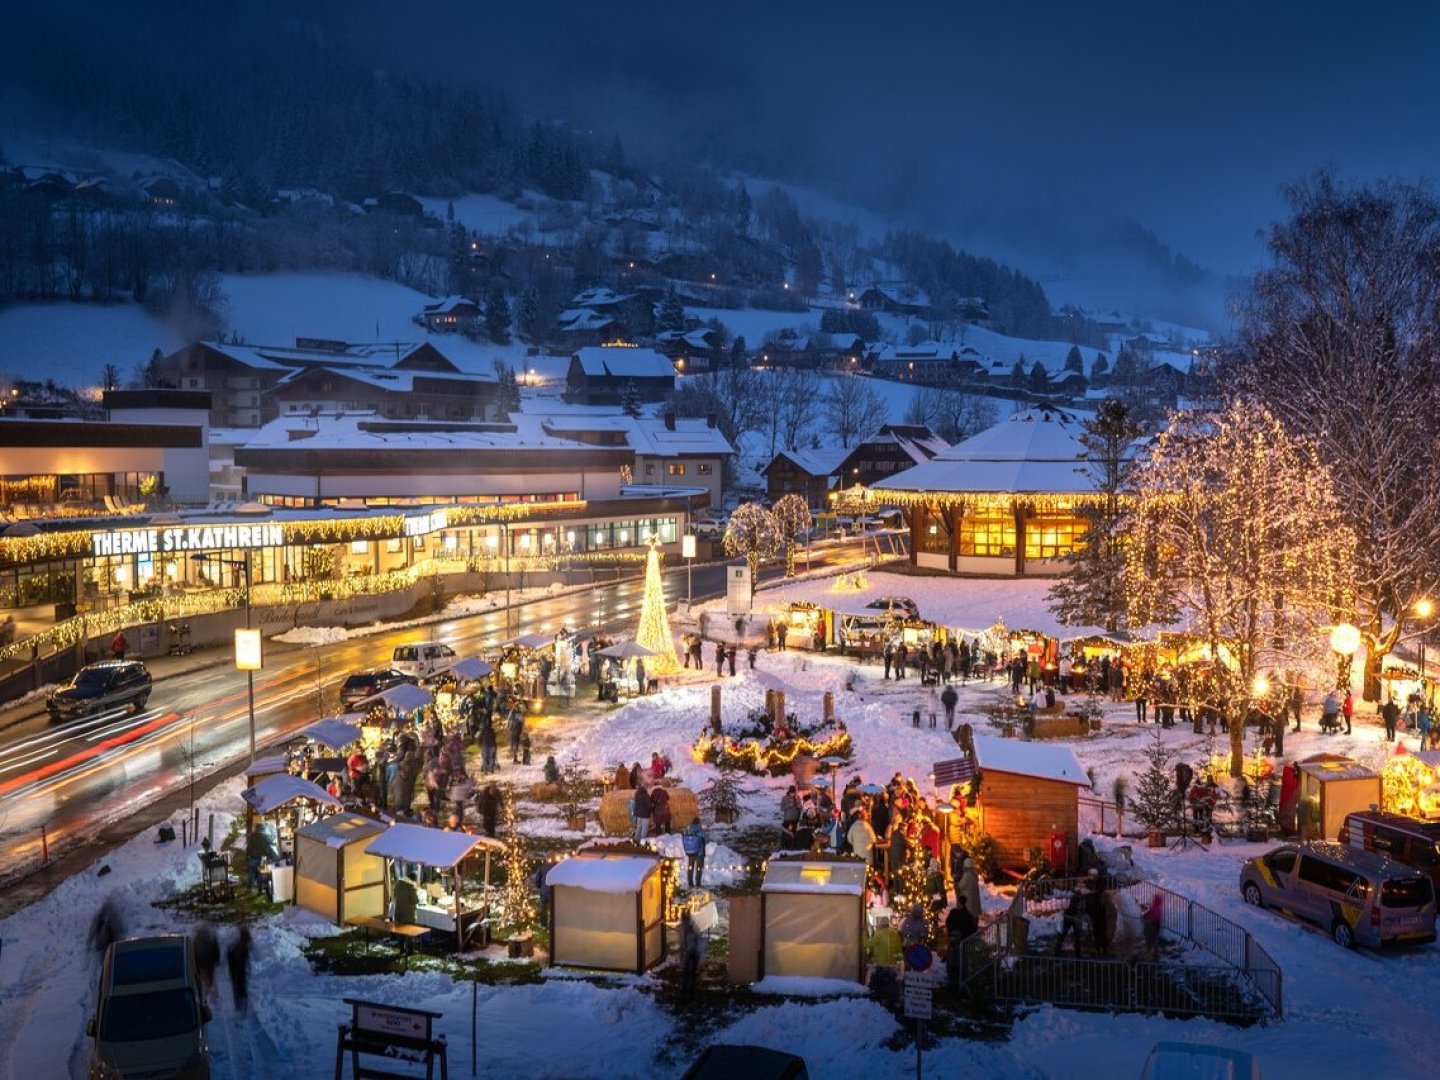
[242, 379]
[892, 449]
[606, 374]
[602, 300]
[1029, 791]
[669, 450]
[162, 191]
[690, 350]
[452, 314]
[1003, 502]
[877, 299]
[808, 473]
[586, 327]
[397, 393]
[927, 362]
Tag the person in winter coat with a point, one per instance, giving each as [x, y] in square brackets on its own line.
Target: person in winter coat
[515, 727]
[1071, 921]
[643, 809]
[1098, 915]
[914, 930]
[693, 841]
[1390, 713]
[948, 698]
[489, 746]
[861, 836]
[692, 951]
[237, 961]
[490, 809]
[1329, 713]
[959, 925]
[1348, 710]
[207, 959]
[622, 777]
[659, 811]
[719, 659]
[968, 886]
[259, 848]
[1152, 920]
[118, 645]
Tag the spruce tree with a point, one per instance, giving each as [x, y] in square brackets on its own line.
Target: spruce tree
[1093, 592]
[1154, 802]
[630, 398]
[507, 389]
[1074, 361]
[497, 315]
[671, 315]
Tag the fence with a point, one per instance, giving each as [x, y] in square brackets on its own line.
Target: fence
[1244, 985]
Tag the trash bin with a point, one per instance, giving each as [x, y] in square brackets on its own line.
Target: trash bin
[282, 884]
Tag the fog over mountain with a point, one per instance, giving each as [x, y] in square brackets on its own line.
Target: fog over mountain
[1129, 152]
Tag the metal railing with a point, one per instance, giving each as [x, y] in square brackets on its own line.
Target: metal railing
[1244, 984]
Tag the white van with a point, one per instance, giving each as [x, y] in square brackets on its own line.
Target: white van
[423, 658]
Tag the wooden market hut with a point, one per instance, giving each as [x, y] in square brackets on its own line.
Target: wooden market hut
[334, 875]
[283, 792]
[1029, 792]
[260, 769]
[812, 918]
[607, 910]
[441, 850]
[1339, 786]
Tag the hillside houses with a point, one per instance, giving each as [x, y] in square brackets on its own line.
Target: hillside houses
[454, 314]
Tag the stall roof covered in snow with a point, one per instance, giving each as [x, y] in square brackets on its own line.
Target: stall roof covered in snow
[1335, 767]
[1044, 761]
[334, 731]
[427, 846]
[337, 830]
[274, 792]
[402, 696]
[267, 766]
[1037, 451]
[470, 667]
[603, 873]
[819, 876]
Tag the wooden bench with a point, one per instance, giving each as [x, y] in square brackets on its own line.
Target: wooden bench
[406, 932]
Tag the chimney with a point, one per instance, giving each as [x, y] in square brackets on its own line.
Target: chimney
[710, 419]
[669, 421]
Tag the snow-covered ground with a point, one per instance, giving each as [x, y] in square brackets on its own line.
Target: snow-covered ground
[1345, 1012]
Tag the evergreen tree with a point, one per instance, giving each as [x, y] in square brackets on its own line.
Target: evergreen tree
[1100, 368]
[1093, 593]
[530, 324]
[1039, 378]
[630, 398]
[671, 315]
[497, 315]
[1155, 803]
[507, 389]
[1074, 361]
[738, 351]
[1017, 373]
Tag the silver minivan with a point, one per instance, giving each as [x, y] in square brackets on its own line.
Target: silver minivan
[150, 1019]
[1358, 897]
[423, 658]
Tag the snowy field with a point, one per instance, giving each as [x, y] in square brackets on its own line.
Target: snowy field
[1344, 1011]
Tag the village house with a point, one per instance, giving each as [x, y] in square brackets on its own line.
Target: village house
[452, 314]
[808, 473]
[892, 449]
[606, 374]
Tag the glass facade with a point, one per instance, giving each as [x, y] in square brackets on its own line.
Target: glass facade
[1052, 536]
[988, 533]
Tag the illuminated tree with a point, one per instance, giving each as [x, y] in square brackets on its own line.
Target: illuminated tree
[754, 533]
[518, 899]
[1339, 339]
[1236, 532]
[1093, 593]
[792, 516]
[654, 630]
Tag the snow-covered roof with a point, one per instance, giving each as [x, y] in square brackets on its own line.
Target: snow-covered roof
[347, 430]
[268, 766]
[576, 319]
[799, 875]
[274, 792]
[335, 732]
[1044, 761]
[821, 462]
[1334, 767]
[396, 380]
[599, 296]
[623, 361]
[470, 667]
[924, 352]
[427, 846]
[690, 435]
[604, 873]
[1034, 451]
[448, 305]
[402, 696]
[337, 830]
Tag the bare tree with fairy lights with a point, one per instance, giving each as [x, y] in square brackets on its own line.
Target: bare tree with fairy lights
[754, 533]
[792, 516]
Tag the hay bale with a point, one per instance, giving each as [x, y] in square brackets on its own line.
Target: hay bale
[615, 810]
[544, 792]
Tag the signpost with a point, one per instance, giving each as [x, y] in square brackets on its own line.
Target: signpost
[920, 979]
[390, 1032]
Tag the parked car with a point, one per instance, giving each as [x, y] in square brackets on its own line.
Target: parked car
[422, 658]
[110, 684]
[721, 1061]
[1406, 840]
[1199, 1061]
[363, 684]
[150, 1017]
[896, 604]
[708, 528]
[1359, 897]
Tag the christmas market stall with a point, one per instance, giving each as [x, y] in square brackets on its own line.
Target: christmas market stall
[399, 706]
[621, 668]
[431, 859]
[334, 875]
[1332, 786]
[1411, 781]
[1029, 799]
[304, 800]
[807, 626]
[607, 909]
[455, 684]
[813, 917]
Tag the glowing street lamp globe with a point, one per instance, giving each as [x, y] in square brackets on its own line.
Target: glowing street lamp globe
[1345, 639]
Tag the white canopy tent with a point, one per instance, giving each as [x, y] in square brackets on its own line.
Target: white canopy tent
[402, 697]
[607, 911]
[334, 732]
[470, 669]
[813, 918]
[434, 847]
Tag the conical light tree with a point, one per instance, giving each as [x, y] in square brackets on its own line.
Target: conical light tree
[654, 630]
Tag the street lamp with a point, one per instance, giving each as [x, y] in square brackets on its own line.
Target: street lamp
[687, 551]
[1344, 640]
[248, 656]
[1424, 609]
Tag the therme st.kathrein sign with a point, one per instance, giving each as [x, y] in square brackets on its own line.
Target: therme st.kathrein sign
[185, 538]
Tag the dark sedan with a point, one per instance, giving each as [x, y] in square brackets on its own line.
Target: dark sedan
[110, 684]
[364, 684]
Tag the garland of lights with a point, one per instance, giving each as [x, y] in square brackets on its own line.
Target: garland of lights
[756, 749]
[967, 500]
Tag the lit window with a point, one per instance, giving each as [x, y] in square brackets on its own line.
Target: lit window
[358, 547]
[990, 534]
[704, 468]
[1052, 537]
[676, 469]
